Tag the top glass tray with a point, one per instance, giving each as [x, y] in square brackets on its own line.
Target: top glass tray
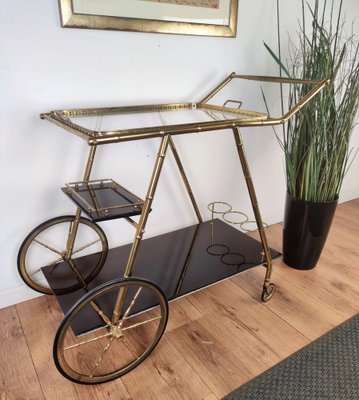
[115, 124]
[160, 116]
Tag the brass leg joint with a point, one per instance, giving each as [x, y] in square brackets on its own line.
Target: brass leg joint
[116, 315]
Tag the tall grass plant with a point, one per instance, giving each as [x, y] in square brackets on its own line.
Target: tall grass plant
[316, 141]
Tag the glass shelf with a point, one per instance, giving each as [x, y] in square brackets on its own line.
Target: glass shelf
[103, 199]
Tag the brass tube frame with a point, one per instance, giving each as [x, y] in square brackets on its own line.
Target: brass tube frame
[74, 227]
[241, 118]
[141, 224]
[185, 179]
[140, 227]
[75, 224]
[252, 194]
[187, 260]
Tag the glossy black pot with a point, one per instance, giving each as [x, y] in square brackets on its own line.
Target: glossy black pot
[305, 230]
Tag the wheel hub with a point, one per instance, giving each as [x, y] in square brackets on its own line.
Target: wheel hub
[116, 331]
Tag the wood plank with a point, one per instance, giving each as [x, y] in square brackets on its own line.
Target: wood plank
[240, 343]
[18, 379]
[219, 368]
[40, 319]
[227, 302]
[182, 311]
[349, 209]
[328, 282]
[293, 304]
[211, 397]
[334, 280]
[165, 374]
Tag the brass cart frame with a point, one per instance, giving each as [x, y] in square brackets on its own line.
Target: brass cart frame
[233, 119]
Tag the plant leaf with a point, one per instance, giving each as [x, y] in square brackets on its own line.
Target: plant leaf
[277, 60]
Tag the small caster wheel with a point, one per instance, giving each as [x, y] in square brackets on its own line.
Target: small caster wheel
[268, 292]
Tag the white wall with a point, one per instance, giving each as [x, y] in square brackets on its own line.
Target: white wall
[45, 67]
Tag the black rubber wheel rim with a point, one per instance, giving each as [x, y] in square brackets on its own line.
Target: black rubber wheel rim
[34, 246]
[99, 355]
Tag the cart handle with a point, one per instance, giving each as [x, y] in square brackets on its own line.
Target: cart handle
[319, 85]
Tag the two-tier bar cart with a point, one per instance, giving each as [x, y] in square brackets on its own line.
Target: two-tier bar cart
[112, 324]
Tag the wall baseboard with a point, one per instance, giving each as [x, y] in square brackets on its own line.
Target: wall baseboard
[349, 195]
[22, 293]
[17, 295]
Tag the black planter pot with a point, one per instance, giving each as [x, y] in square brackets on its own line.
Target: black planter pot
[306, 227]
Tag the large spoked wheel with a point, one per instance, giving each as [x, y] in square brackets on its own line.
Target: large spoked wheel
[106, 351]
[45, 246]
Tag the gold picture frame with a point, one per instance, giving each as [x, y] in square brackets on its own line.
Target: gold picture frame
[98, 14]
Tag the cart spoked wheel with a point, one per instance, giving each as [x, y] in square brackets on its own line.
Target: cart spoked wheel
[45, 247]
[268, 291]
[90, 349]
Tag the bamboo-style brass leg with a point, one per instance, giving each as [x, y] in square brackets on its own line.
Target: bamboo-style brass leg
[268, 287]
[187, 260]
[75, 224]
[185, 179]
[142, 223]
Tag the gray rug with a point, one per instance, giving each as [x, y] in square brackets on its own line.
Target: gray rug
[326, 369]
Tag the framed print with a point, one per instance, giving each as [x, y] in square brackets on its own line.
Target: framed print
[188, 17]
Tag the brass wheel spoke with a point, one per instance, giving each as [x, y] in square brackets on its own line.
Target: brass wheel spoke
[110, 352]
[85, 246]
[129, 308]
[54, 263]
[100, 313]
[49, 239]
[35, 272]
[125, 342]
[140, 323]
[101, 357]
[47, 246]
[87, 341]
[51, 264]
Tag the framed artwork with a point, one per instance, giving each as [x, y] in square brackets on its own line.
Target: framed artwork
[188, 17]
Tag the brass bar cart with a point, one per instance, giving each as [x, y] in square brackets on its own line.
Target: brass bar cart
[111, 327]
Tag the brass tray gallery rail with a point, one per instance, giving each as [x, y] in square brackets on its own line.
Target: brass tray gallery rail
[231, 117]
[103, 199]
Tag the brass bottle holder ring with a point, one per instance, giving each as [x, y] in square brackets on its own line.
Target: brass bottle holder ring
[265, 225]
[218, 249]
[211, 207]
[224, 214]
[240, 223]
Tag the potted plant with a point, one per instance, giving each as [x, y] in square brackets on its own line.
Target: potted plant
[316, 140]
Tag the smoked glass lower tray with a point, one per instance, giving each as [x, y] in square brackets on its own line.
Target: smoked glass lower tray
[103, 199]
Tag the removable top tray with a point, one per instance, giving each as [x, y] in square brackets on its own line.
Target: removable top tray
[103, 199]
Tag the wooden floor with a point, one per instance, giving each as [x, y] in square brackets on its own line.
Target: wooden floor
[216, 340]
